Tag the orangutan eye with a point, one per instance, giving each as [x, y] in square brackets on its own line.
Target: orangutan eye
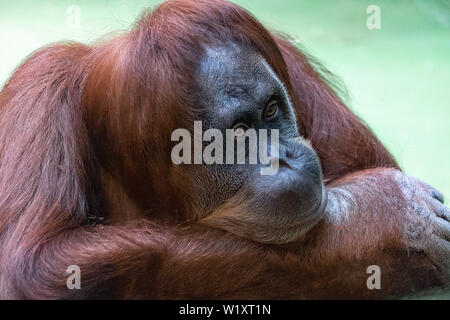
[271, 110]
[239, 129]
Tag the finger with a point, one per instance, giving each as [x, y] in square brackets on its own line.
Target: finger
[440, 210]
[442, 228]
[436, 194]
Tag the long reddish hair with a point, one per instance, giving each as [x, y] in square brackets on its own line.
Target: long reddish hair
[72, 111]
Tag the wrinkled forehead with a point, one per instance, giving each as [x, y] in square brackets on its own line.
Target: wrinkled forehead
[233, 67]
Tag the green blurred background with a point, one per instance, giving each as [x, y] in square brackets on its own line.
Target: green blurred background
[398, 77]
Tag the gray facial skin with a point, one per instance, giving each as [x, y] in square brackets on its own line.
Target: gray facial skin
[235, 85]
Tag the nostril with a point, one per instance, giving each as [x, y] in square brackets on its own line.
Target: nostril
[296, 149]
[294, 153]
[283, 162]
[289, 153]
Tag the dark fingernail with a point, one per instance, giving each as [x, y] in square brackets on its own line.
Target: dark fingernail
[438, 196]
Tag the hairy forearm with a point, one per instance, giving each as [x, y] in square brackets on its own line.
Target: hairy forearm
[368, 222]
[365, 212]
[381, 209]
[365, 224]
